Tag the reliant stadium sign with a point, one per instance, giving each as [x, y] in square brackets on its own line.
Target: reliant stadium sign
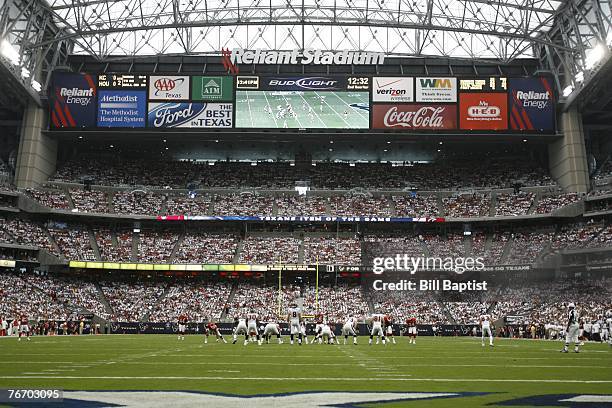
[231, 58]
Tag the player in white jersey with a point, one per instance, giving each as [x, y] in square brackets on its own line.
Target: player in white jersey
[303, 331]
[485, 327]
[349, 329]
[606, 328]
[377, 328]
[272, 329]
[326, 334]
[572, 329]
[252, 326]
[294, 318]
[241, 329]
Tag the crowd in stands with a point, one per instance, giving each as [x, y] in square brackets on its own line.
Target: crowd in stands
[448, 174]
[19, 298]
[243, 204]
[513, 204]
[467, 205]
[263, 300]
[325, 250]
[416, 206]
[527, 245]
[550, 203]
[52, 198]
[132, 301]
[402, 305]
[181, 205]
[302, 205]
[89, 201]
[156, 247]
[335, 303]
[74, 242]
[201, 302]
[360, 205]
[197, 247]
[270, 250]
[450, 246]
[137, 202]
[21, 232]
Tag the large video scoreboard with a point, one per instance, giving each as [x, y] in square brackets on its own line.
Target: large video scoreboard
[408, 104]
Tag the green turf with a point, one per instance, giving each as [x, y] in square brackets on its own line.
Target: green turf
[513, 368]
[250, 111]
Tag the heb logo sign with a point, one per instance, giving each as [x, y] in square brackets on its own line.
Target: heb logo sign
[483, 111]
[169, 88]
[392, 89]
[436, 89]
[415, 117]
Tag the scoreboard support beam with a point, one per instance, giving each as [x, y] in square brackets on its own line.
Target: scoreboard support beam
[37, 156]
[567, 157]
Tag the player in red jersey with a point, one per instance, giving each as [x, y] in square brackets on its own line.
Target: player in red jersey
[213, 329]
[412, 330]
[24, 329]
[388, 322]
[182, 324]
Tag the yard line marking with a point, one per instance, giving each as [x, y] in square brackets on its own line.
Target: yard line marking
[317, 379]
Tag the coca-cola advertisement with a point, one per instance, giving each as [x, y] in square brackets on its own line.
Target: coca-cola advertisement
[415, 117]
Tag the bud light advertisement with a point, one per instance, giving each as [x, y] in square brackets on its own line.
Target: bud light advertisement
[122, 109]
[73, 100]
[313, 83]
[190, 115]
[532, 104]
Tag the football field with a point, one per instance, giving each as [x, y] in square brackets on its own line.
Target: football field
[312, 110]
[448, 372]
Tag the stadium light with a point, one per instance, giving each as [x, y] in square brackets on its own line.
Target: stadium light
[9, 52]
[567, 91]
[25, 73]
[37, 86]
[579, 77]
[609, 39]
[593, 56]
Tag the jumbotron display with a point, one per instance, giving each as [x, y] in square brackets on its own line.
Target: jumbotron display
[352, 102]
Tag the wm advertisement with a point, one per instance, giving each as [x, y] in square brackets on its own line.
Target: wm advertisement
[190, 115]
[436, 89]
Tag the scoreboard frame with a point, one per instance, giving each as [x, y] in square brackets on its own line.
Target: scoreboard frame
[492, 84]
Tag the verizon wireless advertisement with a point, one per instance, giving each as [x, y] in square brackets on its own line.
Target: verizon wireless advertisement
[415, 117]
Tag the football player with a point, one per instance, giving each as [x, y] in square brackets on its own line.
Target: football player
[377, 328]
[349, 329]
[294, 318]
[485, 327]
[572, 329]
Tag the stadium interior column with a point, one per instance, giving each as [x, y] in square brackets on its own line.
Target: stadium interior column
[37, 155]
[567, 156]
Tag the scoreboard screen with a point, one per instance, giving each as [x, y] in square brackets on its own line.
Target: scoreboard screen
[416, 104]
[491, 84]
[122, 81]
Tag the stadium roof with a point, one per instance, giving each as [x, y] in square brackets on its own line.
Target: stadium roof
[502, 29]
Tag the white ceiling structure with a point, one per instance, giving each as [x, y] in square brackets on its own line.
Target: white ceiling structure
[500, 29]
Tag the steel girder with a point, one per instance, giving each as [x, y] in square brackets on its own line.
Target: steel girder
[25, 24]
[502, 29]
[579, 26]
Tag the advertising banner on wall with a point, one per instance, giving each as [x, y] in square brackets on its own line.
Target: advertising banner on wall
[212, 88]
[483, 111]
[392, 89]
[436, 89]
[190, 115]
[73, 100]
[303, 83]
[532, 104]
[122, 109]
[415, 117]
[168, 88]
